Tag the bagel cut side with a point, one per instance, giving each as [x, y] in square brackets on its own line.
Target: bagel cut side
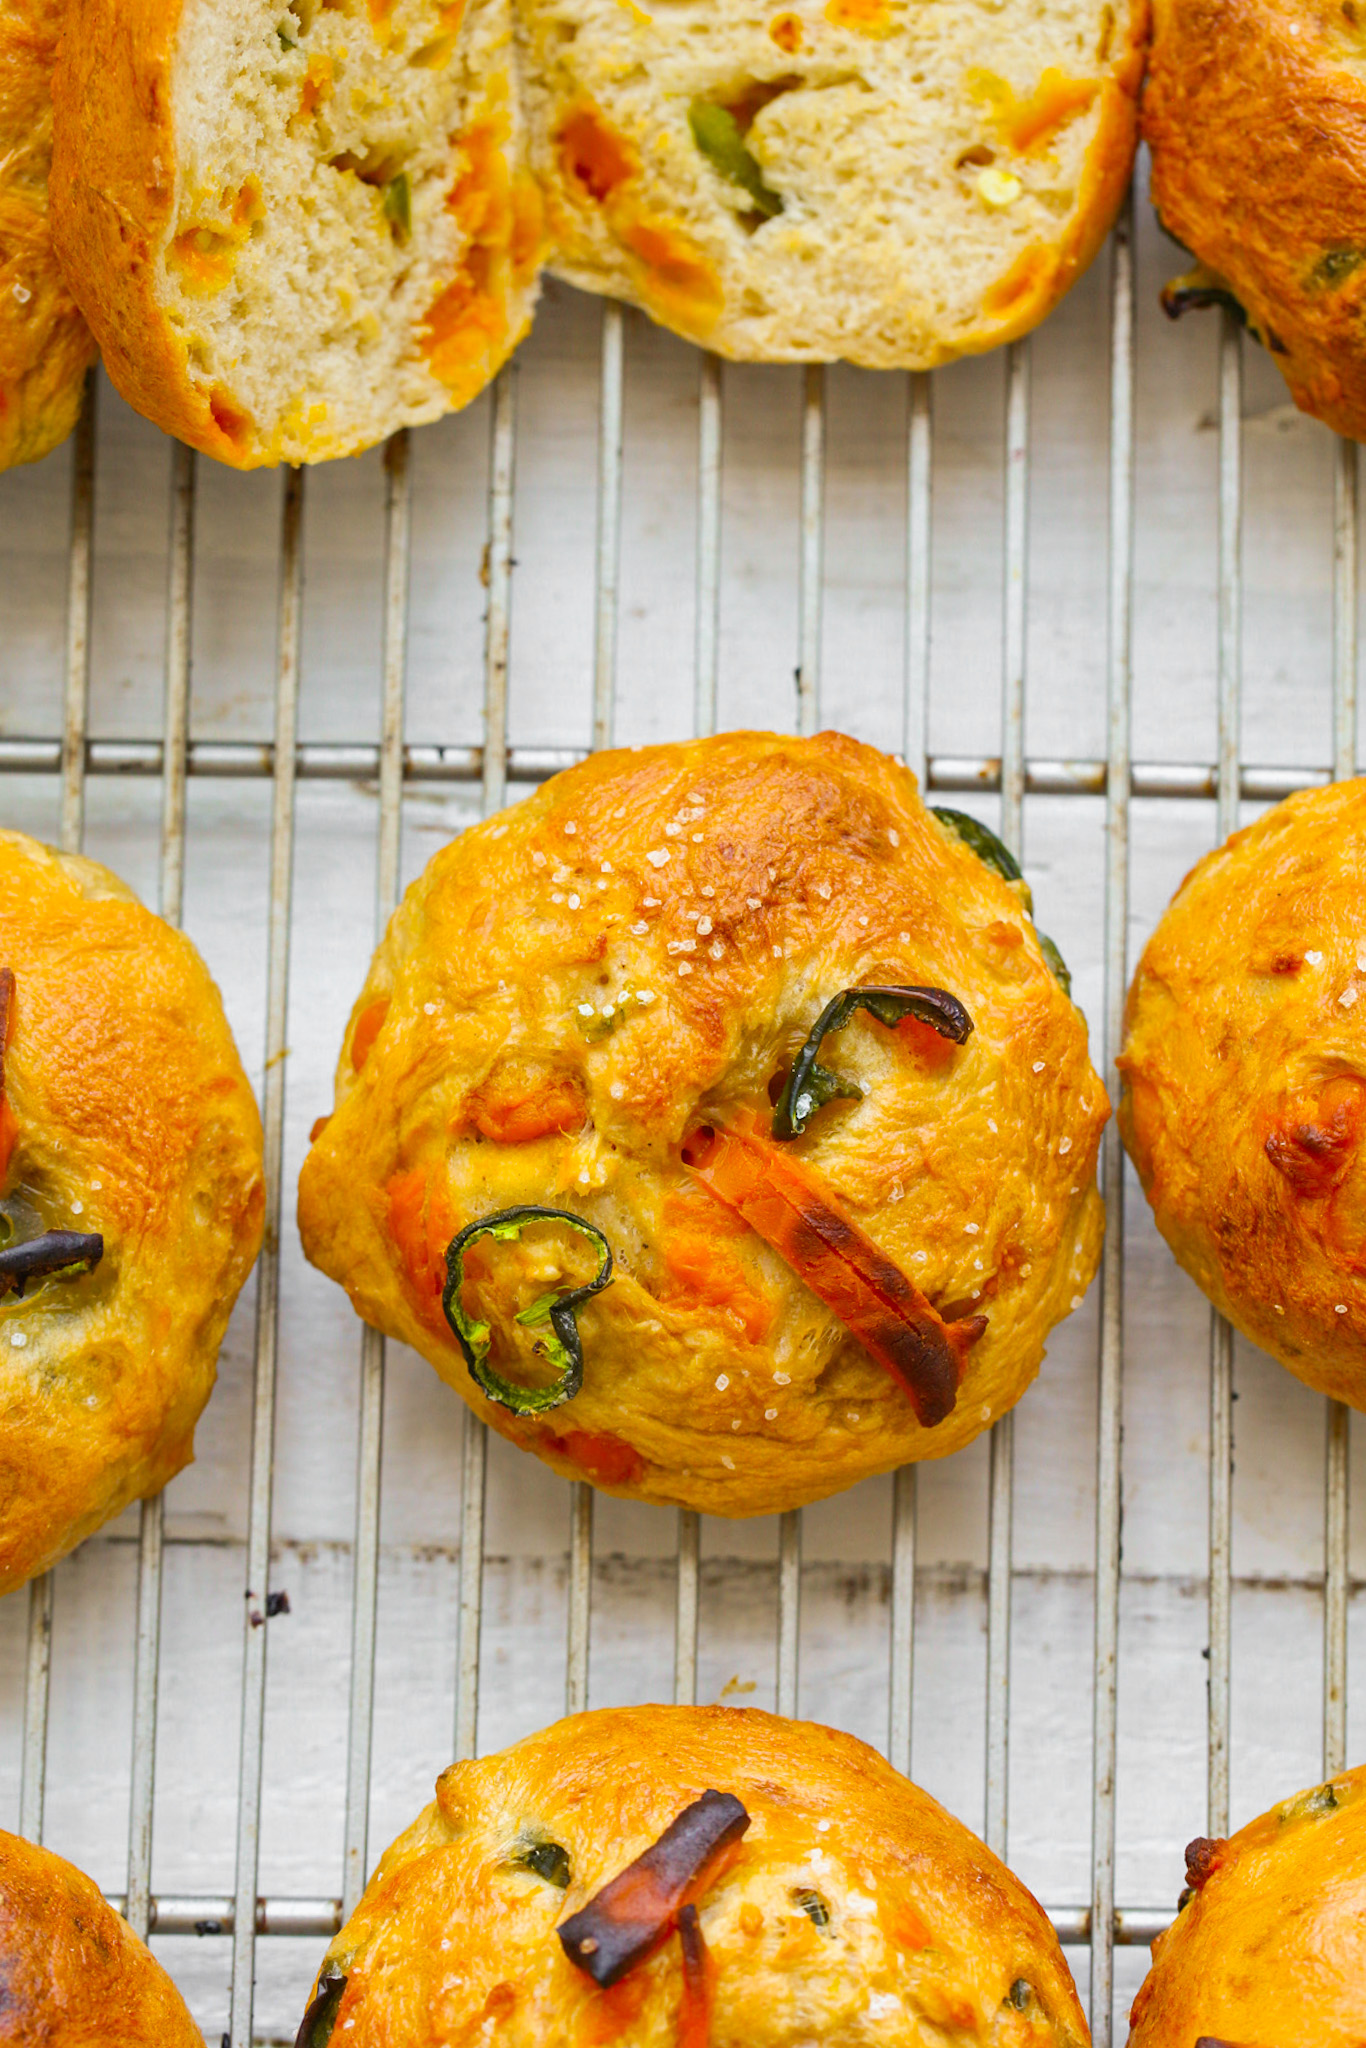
[861, 180]
[294, 227]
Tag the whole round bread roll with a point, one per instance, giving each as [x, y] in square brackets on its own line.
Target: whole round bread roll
[1269, 1943]
[294, 225]
[786, 1062]
[684, 1875]
[1255, 111]
[1244, 1068]
[74, 1974]
[131, 1199]
[888, 184]
[45, 346]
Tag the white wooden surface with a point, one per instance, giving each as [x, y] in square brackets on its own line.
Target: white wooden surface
[1278, 1502]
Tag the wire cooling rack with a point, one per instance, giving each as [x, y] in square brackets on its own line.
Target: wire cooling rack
[921, 1627]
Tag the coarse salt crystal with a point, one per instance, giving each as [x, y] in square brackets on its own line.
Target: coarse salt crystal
[770, 1415]
[1314, 959]
[640, 928]
[852, 1416]
[736, 1423]
[685, 967]
[659, 856]
[703, 927]
[823, 891]
[22, 293]
[672, 831]
[972, 1229]
[722, 1382]
[538, 860]
[991, 1123]
[822, 1827]
[784, 1379]
[1064, 1146]
[429, 1009]
[78, 1208]
[649, 903]
[729, 1463]
[19, 1339]
[1348, 997]
[777, 952]
[1340, 1309]
[557, 895]
[754, 902]
[895, 838]
[1038, 1066]
[616, 1091]
[863, 920]
[697, 839]
[716, 949]
[707, 889]
[573, 902]
[1076, 1301]
[570, 827]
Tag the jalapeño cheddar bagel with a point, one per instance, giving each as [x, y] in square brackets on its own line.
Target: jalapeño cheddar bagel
[73, 1974]
[717, 1122]
[294, 225]
[673, 1876]
[888, 184]
[131, 1199]
[1244, 1071]
[1269, 1944]
[45, 345]
[1255, 111]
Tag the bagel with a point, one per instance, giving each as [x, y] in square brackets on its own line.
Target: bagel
[865, 180]
[1244, 1069]
[45, 346]
[1269, 1942]
[1255, 112]
[294, 225]
[74, 1974]
[802, 1892]
[715, 1122]
[131, 1199]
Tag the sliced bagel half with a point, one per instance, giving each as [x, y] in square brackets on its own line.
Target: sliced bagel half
[295, 227]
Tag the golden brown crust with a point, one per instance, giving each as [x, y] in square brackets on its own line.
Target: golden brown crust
[132, 1118]
[927, 1936]
[113, 191]
[1244, 1066]
[1270, 1949]
[716, 895]
[72, 1973]
[1255, 111]
[45, 345]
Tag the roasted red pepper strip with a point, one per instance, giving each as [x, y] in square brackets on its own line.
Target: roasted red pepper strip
[639, 1908]
[699, 1980]
[9, 1129]
[784, 1203]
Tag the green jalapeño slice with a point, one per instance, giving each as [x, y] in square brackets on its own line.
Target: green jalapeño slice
[553, 1313]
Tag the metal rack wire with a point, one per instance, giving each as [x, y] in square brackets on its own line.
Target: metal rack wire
[173, 757]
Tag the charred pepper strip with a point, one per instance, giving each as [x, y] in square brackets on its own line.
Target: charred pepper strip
[640, 1907]
[699, 1981]
[555, 1310]
[67, 1252]
[315, 2029]
[784, 1203]
[810, 1085]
